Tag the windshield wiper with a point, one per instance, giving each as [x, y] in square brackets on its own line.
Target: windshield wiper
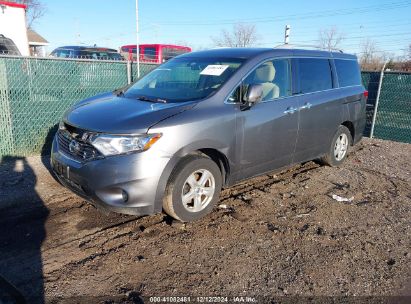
[145, 98]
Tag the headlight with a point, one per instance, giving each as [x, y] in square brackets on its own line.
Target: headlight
[120, 144]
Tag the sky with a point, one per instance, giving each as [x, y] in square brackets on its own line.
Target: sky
[193, 23]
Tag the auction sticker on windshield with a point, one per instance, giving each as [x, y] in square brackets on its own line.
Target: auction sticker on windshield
[214, 70]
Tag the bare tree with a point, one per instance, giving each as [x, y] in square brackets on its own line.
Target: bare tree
[368, 51]
[35, 10]
[242, 35]
[406, 63]
[330, 39]
[371, 58]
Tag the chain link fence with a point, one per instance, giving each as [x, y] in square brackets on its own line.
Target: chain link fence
[371, 81]
[393, 120]
[393, 117]
[35, 92]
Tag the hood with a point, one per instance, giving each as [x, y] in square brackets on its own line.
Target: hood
[108, 113]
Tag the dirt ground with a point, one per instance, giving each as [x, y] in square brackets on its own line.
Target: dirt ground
[277, 235]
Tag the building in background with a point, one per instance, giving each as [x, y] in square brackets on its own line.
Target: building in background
[13, 25]
[37, 44]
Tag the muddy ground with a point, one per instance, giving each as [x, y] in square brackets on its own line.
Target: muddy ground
[276, 235]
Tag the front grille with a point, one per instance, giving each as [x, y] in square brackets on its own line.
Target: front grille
[77, 149]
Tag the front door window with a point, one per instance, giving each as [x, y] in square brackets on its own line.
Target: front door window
[273, 75]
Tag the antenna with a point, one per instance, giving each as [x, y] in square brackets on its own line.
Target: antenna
[287, 34]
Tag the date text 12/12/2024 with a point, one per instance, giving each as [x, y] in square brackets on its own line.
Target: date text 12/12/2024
[202, 299]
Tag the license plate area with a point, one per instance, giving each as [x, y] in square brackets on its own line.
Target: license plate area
[60, 169]
[64, 173]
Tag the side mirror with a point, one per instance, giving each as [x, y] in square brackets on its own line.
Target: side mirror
[254, 94]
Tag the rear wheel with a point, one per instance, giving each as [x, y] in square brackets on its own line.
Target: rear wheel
[339, 147]
[193, 189]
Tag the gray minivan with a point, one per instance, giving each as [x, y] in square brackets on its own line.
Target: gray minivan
[207, 120]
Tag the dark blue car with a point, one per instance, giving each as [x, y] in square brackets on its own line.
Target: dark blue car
[83, 52]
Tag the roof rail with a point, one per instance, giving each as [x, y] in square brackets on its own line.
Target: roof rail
[317, 47]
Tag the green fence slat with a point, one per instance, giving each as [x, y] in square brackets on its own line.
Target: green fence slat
[35, 92]
[6, 134]
[393, 119]
[144, 69]
[370, 81]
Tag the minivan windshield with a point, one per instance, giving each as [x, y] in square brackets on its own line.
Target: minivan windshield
[184, 79]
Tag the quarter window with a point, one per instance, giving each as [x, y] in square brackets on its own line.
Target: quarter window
[315, 75]
[348, 72]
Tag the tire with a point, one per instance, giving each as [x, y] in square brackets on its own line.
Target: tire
[332, 158]
[185, 180]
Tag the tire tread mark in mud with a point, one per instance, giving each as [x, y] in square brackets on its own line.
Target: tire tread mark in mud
[83, 261]
[65, 210]
[263, 185]
[92, 234]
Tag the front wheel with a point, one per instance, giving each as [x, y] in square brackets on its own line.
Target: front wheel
[193, 189]
[339, 147]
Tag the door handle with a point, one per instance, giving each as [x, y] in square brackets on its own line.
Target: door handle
[307, 105]
[290, 110]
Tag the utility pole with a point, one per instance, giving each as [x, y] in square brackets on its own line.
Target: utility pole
[138, 42]
[287, 34]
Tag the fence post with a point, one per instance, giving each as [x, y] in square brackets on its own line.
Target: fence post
[128, 71]
[377, 100]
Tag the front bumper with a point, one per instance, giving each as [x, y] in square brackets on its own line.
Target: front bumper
[124, 183]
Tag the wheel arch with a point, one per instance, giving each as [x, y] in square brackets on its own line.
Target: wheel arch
[350, 126]
[220, 159]
[213, 151]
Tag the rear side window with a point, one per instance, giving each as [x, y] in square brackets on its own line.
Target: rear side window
[315, 75]
[348, 72]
